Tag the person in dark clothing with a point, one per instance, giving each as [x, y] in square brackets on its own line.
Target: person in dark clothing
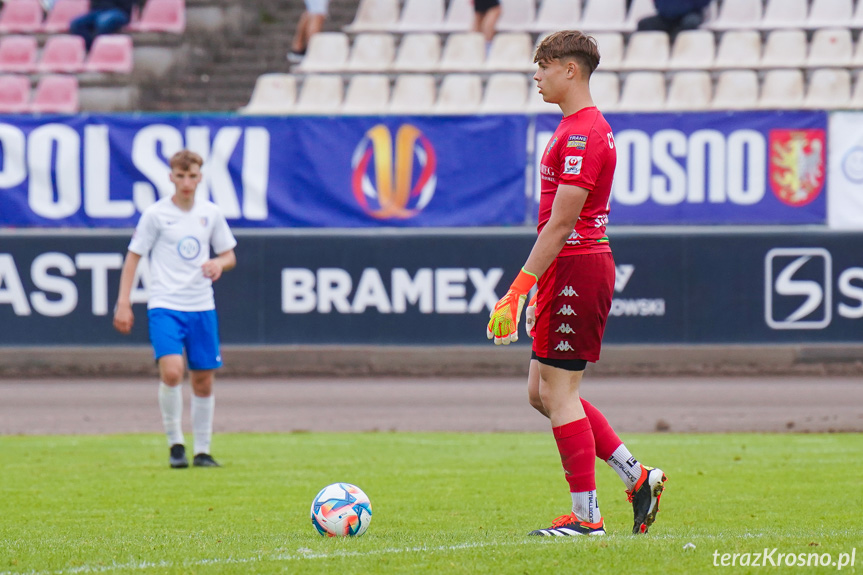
[104, 17]
[672, 16]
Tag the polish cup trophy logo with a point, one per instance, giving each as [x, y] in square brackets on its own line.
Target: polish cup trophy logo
[797, 165]
[394, 181]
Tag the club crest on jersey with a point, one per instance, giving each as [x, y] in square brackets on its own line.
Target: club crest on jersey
[568, 292]
[577, 141]
[564, 328]
[564, 346]
[550, 146]
[797, 165]
[566, 310]
[572, 165]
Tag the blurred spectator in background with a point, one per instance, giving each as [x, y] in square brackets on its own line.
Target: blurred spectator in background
[672, 16]
[486, 14]
[311, 22]
[104, 17]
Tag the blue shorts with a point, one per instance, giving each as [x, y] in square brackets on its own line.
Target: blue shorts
[197, 331]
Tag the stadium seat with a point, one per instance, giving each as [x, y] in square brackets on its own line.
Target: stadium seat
[611, 50]
[647, 51]
[784, 14]
[63, 53]
[23, 16]
[738, 49]
[605, 90]
[459, 94]
[18, 54]
[505, 94]
[422, 16]
[736, 14]
[110, 53]
[642, 92]
[367, 94]
[692, 90]
[327, 52]
[320, 95]
[372, 52]
[784, 49]
[516, 15]
[463, 52]
[830, 48]
[638, 10]
[14, 94]
[830, 13]
[62, 14]
[413, 94]
[693, 50]
[557, 15]
[418, 53]
[782, 90]
[829, 89]
[459, 16]
[274, 94]
[56, 94]
[604, 16]
[856, 102]
[162, 16]
[736, 90]
[375, 16]
[510, 51]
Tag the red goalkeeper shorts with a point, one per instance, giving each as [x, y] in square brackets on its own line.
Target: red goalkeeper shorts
[572, 305]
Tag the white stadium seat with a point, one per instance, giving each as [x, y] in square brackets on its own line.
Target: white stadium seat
[647, 51]
[604, 16]
[274, 94]
[830, 48]
[611, 50]
[459, 16]
[510, 51]
[413, 94]
[785, 14]
[736, 15]
[372, 52]
[829, 89]
[418, 53]
[738, 49]
[321, 95]
[643, 92]
[605, 90]
[693, 50]
[782, 90]
[856, 102]
[422, 16]
[463, 52]
[367, 94]
[327, 52]
[784, 49]
[830, 13]
[459, 94]
[736, 90]
[516, 15]
[691, 90]
[375, 16]
[505, 94]
[557, 15]
[638, 10]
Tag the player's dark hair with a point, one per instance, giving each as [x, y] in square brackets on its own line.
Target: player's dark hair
[184, 159]
[569, 44]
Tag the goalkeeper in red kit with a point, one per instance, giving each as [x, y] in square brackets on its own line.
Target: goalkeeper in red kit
[572, 265]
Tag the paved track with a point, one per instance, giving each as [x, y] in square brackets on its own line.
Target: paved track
[811, 403]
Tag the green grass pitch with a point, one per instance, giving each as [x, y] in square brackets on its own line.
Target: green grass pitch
[442, 503]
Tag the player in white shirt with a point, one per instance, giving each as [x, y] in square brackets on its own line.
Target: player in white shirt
[177, 233]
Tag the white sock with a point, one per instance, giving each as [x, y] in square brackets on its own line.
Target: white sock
[202, 422]
[585, 506]
[626, 466]
[171, 405]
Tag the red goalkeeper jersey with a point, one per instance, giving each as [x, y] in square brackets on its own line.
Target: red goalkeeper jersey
[581, 153]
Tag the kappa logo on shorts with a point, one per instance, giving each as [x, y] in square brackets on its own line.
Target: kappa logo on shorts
[568, 292]
[564, 328]
[564, 346]
[566, 310]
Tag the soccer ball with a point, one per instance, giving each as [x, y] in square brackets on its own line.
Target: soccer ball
[341, 509]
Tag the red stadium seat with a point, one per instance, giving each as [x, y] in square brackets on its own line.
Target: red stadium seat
[56, 94]
[14, 94]
[18, 54]
[162, 16]
[62, 14]
[21, 16]
[63, 53]
[110, 53]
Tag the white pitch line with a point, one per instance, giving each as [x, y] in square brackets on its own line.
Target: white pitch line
[144, 565]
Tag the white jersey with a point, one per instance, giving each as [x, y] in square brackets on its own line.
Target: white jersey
[178, 243]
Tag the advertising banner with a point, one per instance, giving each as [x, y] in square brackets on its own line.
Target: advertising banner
[104, 170]
[415, 288]
[713, 167]
[845, 200]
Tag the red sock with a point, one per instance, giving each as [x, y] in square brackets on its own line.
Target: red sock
[577, 453]
[604, 437]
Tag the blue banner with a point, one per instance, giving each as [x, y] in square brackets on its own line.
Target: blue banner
[103, 170]
[713, 168]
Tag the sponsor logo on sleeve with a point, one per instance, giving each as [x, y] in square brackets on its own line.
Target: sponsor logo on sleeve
[572, 165]
[577, 141]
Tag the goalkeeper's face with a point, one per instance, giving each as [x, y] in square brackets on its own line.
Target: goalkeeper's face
[553, 78]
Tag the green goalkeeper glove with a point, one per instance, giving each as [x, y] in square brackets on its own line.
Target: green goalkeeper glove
[503, 325]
